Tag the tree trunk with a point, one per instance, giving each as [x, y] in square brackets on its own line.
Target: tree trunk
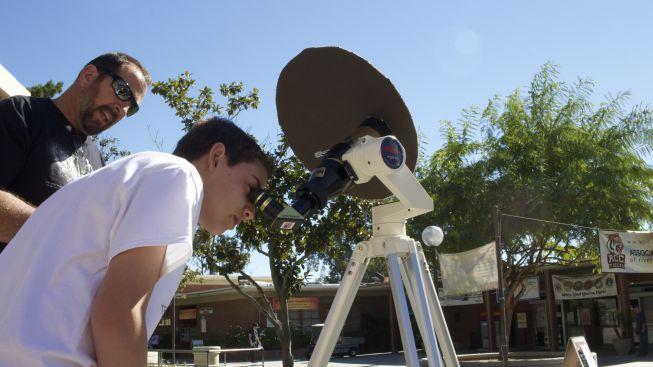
[510, 304]
[284, 333]
[286, 341]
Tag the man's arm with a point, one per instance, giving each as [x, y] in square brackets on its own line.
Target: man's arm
[14, 213]
[118, 313]
[15, 143]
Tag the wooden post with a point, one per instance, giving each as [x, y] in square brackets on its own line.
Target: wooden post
[551, 312]
[490, 322]
[501, 298]
[624, 302]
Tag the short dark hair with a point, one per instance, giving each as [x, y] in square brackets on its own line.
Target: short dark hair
[239, 145]
[112, 61]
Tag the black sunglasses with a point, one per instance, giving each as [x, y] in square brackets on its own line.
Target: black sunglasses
[121, 89]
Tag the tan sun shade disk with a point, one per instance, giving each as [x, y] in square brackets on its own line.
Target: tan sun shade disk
[323, 96]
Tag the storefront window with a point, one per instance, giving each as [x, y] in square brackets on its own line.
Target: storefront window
[607, 309]
[592, 318]
[304, 319]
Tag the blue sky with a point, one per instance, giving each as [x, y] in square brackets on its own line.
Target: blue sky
[442, 56]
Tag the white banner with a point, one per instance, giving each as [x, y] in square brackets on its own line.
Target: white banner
[626, 252]
[470, 271]
[579, 287]
[532, 289]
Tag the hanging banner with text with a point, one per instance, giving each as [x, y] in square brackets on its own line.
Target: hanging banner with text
[579, 287]
[298, 303]
[626, 252]
[470, 271]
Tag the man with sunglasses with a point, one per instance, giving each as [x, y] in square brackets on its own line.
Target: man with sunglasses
[46, 143]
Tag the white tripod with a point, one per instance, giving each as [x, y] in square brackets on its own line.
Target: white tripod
[405, 259]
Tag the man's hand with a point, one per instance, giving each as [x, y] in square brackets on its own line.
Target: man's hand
[13, 214]
[118, 312]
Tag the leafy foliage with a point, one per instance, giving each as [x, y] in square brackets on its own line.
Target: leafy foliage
[109, 148]
[47, 90]
[190, 109]
[547, 153]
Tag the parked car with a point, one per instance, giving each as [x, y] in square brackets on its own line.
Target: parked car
[346, 345]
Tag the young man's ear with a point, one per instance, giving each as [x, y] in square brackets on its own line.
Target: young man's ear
[216, 154]
[88, 75]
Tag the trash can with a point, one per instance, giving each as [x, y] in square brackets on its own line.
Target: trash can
[206, 356]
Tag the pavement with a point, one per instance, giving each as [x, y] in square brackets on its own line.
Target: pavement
[629, 361]
[389, 359]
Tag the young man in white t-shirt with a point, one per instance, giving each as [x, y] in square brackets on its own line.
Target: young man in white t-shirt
[86, 279]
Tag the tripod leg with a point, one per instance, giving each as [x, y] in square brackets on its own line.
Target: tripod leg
[422, 305]
[411, 291]
[406, 331]
[340, 307]
[441, 329]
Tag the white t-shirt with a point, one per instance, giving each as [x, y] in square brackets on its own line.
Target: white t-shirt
[51, 270]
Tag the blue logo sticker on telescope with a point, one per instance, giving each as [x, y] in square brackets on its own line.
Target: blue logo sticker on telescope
[392, 152]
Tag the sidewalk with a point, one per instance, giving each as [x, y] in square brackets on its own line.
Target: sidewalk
[388, 360]
[629, 361]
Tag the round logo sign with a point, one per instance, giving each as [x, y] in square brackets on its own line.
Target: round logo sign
[392, 152]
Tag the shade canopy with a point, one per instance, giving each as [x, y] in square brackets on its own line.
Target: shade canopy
[323, 96]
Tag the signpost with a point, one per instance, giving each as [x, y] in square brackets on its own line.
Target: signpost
[578, 353]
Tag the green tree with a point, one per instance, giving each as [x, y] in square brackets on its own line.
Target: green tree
[109, 148]
[47, 90]
[291, 254]
[548, 153]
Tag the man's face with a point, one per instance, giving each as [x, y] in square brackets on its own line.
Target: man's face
[100, 108]
[226, 188]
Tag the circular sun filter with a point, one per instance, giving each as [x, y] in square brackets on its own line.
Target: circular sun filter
[432, 236]
[324, 95]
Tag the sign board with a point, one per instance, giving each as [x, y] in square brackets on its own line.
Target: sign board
[587, 286]
[188, 314]
[470, 271]
[467, 299]
[206, 311]
[521, 320]
[532, 289]
[578, 353]
[626, 252]
[298, 303]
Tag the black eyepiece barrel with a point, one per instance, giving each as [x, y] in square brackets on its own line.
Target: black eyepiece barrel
[269, 207]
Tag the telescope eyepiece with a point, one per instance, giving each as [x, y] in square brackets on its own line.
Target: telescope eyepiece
[269, 207]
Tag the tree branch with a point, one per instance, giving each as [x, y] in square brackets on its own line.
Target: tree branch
[260, 251]
[292, 266]
[265, 307]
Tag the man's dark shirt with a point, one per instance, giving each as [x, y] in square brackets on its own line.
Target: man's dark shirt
[39, 153]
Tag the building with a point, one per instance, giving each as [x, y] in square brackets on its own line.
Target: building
[9, 86]
[216, 314]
